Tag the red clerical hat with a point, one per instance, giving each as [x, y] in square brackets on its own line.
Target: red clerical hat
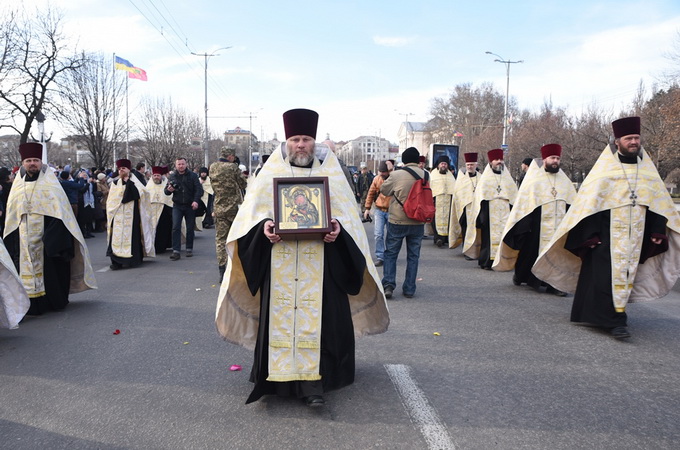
[124, 163]
[470, 157]
[157, 170]
[31, 150]
[551, 150]
[626, 126]
[421, 158]
[494, 154]
[300, 122]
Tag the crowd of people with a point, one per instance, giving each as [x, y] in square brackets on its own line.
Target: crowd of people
[298, 279]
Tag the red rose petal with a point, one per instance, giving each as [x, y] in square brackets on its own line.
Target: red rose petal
[116, 332]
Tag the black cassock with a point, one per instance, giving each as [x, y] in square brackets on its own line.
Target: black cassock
[58, 251]
[344, 266]
[164, 231]
[593, 299]
[131, 194]
[525, 236]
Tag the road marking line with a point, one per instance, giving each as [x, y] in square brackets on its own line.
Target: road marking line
[422, 414]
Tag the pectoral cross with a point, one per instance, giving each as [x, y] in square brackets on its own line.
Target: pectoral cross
[29, 207]
[553, 191]
[499, 189]
[633, 197]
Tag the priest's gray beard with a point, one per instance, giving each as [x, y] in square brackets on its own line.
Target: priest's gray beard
[301, 159]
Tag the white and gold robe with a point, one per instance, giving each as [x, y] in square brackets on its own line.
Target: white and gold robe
[14, 302]
[607, 187]
[119, 231]
[500, 191]
[238, 311]
[442, 186]
[27, 205]
[552, 192]
[463, 197]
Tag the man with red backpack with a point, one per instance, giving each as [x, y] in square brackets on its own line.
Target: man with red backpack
[400, 226]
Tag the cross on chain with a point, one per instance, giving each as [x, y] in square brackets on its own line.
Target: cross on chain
[633, 197]
[553, 191]
[499, 189]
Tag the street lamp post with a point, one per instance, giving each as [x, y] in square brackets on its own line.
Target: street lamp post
[206, 139]
[40, 118]
[507, 63]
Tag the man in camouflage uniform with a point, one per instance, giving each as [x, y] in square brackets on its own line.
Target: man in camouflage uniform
[228, 184]
[363, 185]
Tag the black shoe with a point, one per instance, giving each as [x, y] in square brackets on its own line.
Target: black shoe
[515, 281]
[620, 332]
[314, 401]
[175, 256]
[388, 291]
[439, 243]
[408, 295]
[190, 253]
[378, 263]
[557, 292]
[115, 266]
[467, 258]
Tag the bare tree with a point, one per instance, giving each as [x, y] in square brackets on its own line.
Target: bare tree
[166, 132]
[33, 61]
[90, 99]
[661, 128]
[474, 113]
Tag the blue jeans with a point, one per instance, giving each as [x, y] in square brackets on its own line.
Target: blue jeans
[414, 239]
[180, 212]
[380, 221]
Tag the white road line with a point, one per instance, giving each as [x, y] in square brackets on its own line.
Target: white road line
[422, 414]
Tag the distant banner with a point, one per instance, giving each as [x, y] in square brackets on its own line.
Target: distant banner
[133, 72]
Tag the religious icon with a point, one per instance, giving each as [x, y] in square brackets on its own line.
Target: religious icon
[301, 207]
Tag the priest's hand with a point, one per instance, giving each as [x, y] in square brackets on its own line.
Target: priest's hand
[657, 241]
[333, 235]
[269, 232]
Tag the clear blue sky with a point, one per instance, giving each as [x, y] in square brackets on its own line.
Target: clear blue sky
[363, 65]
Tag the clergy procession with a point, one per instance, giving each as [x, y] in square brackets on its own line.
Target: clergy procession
[297, 281]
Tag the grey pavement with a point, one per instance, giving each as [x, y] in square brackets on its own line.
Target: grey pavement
[507, 370]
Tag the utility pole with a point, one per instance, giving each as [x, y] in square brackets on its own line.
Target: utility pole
[206, 138]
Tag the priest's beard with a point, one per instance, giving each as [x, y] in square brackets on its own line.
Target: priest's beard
[443, 171]
[553, 168]
[300, 159]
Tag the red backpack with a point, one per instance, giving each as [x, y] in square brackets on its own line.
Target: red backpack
[419, 205]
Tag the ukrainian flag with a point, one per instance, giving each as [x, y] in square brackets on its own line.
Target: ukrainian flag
[124, 64]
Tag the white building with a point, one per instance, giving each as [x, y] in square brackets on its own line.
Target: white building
[413, 134]
[368, 149]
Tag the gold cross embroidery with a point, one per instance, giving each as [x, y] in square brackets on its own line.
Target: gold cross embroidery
[282, 299]
[309, 253]
[284, 251]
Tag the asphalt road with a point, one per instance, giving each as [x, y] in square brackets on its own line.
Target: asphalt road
[507, 370]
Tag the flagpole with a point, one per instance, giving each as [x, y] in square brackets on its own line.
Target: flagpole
[115, 107]
[127, 120]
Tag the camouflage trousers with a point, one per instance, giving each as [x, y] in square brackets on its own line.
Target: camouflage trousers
[223, 221]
